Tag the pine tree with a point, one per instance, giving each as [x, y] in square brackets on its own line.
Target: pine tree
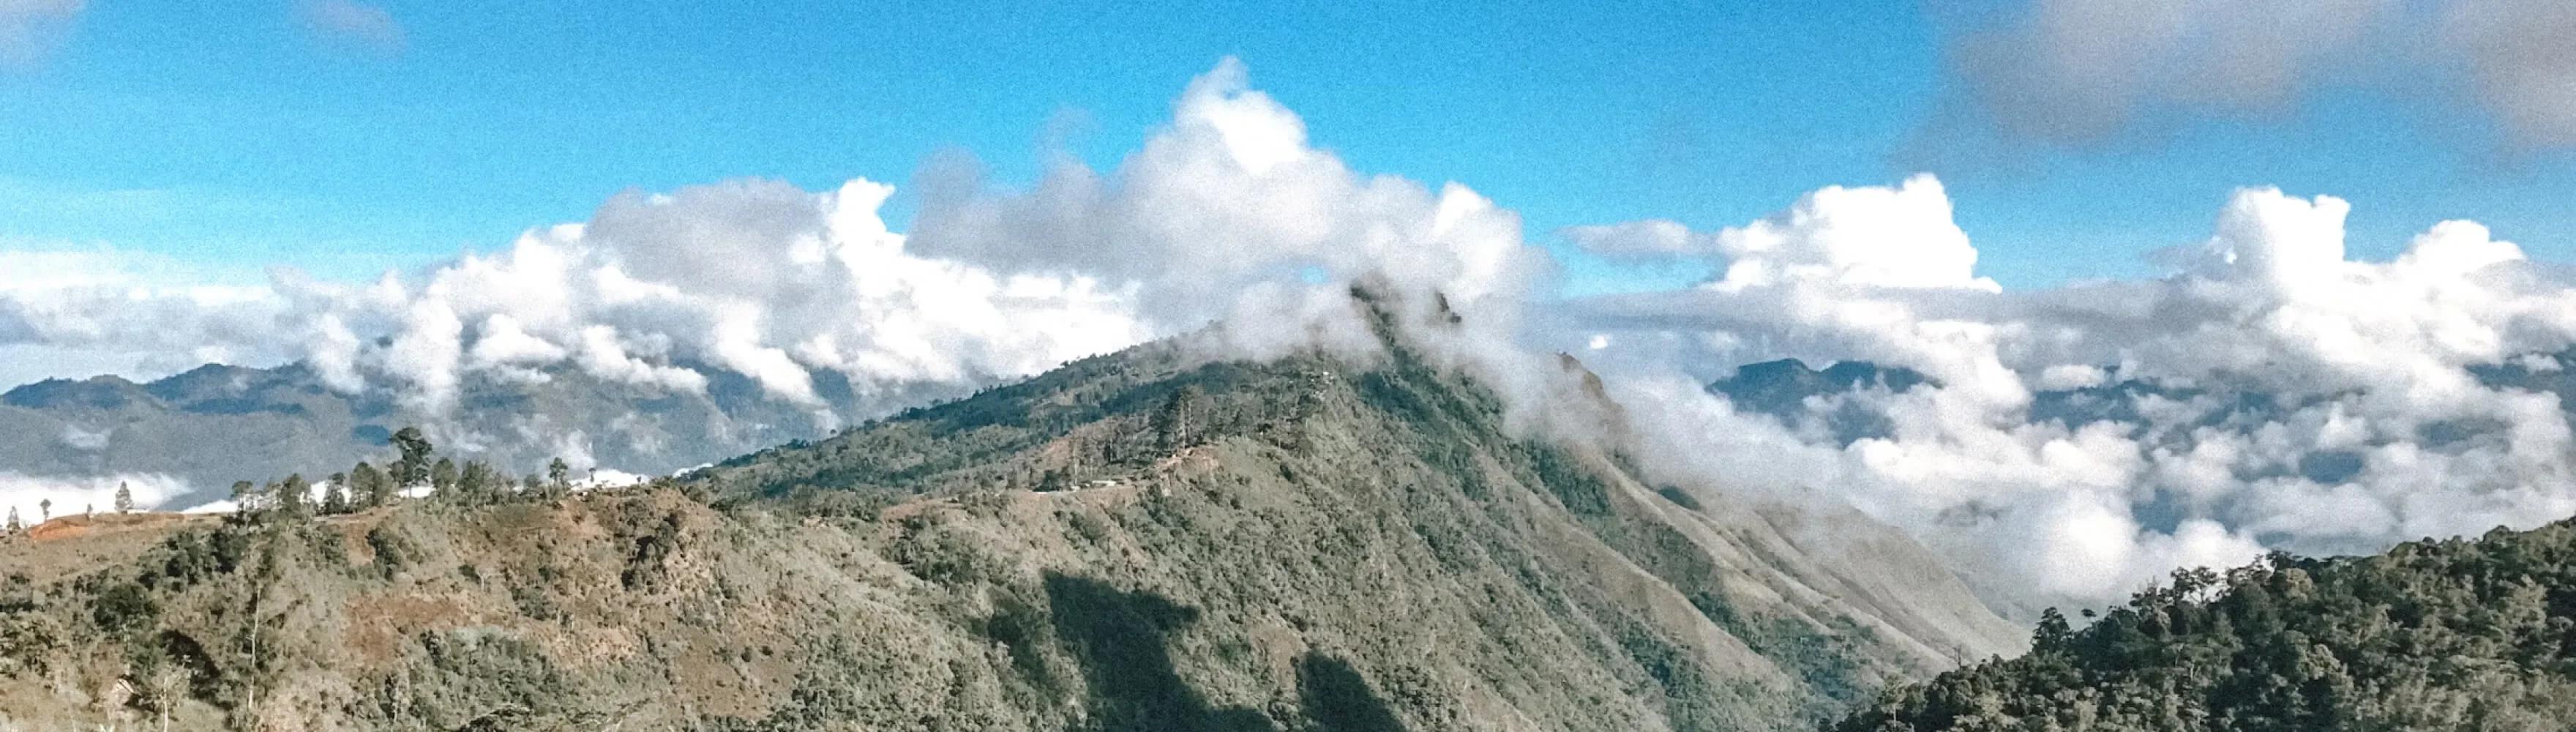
[293, 496]
[335, 499]
[124, 498]
[442, 476]
[371, 486]
[14, 526]
[44, 510]
[558, 478]
[413, 467]
[2053, 632]
[1176, 425]
[476, 483]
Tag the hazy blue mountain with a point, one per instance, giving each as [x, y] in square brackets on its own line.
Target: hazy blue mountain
[1780, 389]
[217, 424]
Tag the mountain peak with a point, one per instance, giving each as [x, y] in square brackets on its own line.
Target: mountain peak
[96, 392]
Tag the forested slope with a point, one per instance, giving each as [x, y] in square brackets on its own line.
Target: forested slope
[2432, 635]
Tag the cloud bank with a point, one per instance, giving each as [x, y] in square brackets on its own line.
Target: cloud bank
[2071, 444]
[2269, 394]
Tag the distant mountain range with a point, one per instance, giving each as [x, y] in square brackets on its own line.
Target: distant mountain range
[1781, 389]
[218, 424]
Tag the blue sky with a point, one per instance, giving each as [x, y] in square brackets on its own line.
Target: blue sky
[234, 136]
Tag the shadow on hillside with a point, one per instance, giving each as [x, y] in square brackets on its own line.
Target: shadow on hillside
[1120, 638]
[1338, 699]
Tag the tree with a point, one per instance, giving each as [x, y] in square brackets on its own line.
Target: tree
[477, 483]
[245, 496]
[442, 476]
[124, 498]
[14, 526]
[558, 478]
[293, 496]
[164, 688]
[44, 510]
[371, 486]
[2053, 631]
[413, 467]
[1176, 425]
[2433, 635]
[335, 499]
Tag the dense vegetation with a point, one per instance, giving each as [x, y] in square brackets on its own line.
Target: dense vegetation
[2432, 635]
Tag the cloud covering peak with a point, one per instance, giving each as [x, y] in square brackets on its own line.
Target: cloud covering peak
[1226, 205]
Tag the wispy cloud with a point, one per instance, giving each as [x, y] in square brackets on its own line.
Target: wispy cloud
[30, 30]
[353, 24]
[2081, 72]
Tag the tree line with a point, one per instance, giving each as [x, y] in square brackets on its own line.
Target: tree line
[417, 468]
[2432, 635]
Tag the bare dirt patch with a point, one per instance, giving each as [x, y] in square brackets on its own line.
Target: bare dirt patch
[71, 545]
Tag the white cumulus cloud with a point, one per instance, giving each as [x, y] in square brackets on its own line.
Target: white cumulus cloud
[1227, 213]
[2372, 366]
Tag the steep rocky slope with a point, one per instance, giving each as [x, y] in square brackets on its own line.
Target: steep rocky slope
[1143, 541]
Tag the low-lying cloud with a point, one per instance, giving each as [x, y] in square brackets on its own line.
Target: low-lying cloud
[33, 499]
[2085, 439]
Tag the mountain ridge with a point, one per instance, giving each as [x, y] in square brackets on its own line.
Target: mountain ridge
[217, 424]
[1307, 543]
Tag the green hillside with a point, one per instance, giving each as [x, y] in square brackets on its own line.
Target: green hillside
[2432, 635]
